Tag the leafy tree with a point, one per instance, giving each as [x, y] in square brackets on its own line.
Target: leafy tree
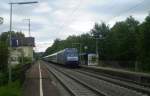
[144, 44]
[4, 52]
[122, 41]
[5, 35]
[125, 34]
[100, 32]
[3, 56]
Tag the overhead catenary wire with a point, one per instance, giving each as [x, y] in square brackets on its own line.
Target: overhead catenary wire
[127, 10]
[61, 28]
[68, 21]
[76, 8]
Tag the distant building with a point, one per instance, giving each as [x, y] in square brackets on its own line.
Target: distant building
[22, 47]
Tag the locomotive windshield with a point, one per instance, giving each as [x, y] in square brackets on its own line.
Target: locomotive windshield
[72, 53]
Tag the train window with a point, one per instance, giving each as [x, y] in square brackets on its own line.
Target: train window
[71, 54]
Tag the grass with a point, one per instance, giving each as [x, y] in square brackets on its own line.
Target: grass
[13, 89]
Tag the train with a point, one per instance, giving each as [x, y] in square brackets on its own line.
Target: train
[68, 57]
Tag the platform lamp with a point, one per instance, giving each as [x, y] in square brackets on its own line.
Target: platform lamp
[10, 30]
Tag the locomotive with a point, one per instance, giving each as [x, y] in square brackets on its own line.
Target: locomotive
[68, 57]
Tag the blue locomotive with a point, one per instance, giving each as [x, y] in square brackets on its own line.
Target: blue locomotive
[68, 57]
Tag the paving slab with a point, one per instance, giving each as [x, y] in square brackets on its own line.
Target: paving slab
[32, 84]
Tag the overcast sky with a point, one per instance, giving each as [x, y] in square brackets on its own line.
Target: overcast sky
[51, 19]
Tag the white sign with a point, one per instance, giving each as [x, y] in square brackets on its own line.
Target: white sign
[92, 59]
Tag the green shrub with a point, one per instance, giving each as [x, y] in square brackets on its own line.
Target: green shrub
[145, 65]
[13, 89]
[26, 60]
[3, 78]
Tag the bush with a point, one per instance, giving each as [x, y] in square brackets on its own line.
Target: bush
[13, 89]
[26, 60]
[3, 78]
[145, 65]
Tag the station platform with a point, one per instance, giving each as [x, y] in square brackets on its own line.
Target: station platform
[128, 75]
[38, 82]
[117, 70]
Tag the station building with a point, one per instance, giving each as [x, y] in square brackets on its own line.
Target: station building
[22, 48]
[88, 59]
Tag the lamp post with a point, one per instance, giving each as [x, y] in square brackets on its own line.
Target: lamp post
[97, 37]
[97, 50]
[85, 59]
[10, 30]
[29, 23]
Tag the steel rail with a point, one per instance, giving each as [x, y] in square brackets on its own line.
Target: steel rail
[66, 87]
[118, 82]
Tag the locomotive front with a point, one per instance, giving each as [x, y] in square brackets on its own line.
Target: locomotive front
[72, 57]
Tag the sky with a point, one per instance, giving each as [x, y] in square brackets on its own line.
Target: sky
[51, 19]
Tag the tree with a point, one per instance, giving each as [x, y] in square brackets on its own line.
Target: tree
[144, 44]
[4, 52]
[100, 32]
[3, 56]
[5, 36]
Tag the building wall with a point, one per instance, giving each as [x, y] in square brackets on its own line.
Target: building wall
[25, 51]
[15, 54]
[21, 47]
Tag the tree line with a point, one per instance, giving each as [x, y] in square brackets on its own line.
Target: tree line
[127, 42]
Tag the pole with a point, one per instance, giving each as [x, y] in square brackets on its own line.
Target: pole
[10, 31]
[22, 57]
[80, 52]
[97, 50]
[29, 28]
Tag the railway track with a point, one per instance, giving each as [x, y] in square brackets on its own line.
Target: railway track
[71, 85]
[80, 83]
[136, 81]
[121, 82]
